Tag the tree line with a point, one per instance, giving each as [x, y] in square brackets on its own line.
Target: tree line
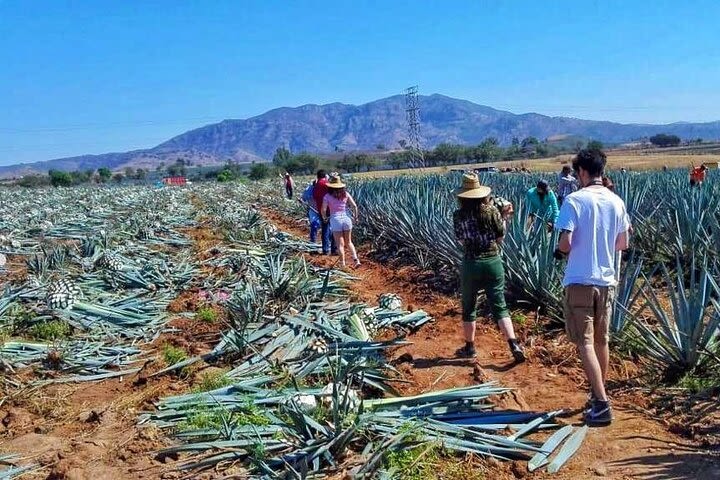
[489, 150]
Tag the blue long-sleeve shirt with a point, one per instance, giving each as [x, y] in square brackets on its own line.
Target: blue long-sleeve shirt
[547, 208]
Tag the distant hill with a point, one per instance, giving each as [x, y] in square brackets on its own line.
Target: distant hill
[326, 128]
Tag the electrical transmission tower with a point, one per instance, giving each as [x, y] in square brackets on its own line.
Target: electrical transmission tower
[412, 110]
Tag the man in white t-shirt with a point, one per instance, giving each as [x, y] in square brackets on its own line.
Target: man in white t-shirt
[594, 226]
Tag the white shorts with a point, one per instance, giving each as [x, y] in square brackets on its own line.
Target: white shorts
[340, 223]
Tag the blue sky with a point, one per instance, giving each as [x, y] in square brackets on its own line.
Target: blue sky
[95, 76]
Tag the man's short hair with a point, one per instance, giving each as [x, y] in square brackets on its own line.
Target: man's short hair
[592, 161]
[320, 174]
[543, 185]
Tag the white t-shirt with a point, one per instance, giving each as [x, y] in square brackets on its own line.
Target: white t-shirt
[596, 217]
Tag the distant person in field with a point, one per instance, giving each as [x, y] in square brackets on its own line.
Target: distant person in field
[336, 202]
[479, 227]
[542, 203]
[594, 226]
[697, 175]
[319, 191]
[567, 184]
[314, 219]
[607, 183]
[289, 185]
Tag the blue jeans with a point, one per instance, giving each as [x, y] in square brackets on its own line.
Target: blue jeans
[315, 222]
[328, 242]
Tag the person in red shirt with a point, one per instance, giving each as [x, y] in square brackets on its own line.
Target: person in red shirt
[321, 189]
[697, 175]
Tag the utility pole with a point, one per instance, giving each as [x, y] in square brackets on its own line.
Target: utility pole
[412, 110]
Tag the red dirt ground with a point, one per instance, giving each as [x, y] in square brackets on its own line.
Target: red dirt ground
[633, 447]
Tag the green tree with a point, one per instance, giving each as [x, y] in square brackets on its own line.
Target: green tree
[348, 162]
[140, 174]
[282, 157]
[595, 145]
[380, 146]
[367, 162]
[304, 162]
[259, 171]
[397, 160]
[226, 175]
[118, 178]
[129, 172]
[79, 177]
[105, 174]
[665, 140]
[58, 178]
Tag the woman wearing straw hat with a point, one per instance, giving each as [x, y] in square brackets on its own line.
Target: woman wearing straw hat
[480, 228]
[336, 202]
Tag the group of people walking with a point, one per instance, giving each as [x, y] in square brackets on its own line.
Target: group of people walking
[330, 207]
[593, 226]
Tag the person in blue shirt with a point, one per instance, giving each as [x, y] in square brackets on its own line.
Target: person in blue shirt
[313, 215]
[542, 202]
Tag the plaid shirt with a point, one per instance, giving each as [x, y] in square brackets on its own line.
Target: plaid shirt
[479, 231]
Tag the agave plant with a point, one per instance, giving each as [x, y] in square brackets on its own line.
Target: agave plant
[627, 293]
[690, 328]
[532, 271]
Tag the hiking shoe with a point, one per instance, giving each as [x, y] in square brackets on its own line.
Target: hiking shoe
[599, 414]
[517, 352]
[468, 351]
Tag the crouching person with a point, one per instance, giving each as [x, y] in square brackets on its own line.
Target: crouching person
[479, 227]
[594, 225]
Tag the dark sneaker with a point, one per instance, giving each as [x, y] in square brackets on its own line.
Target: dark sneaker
[466, 352]
[590, 400]
[599, 414]
[517, 352]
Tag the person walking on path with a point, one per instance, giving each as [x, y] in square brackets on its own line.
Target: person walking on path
[313, 214]
[567, 184]
[594, 226]
[542, 203]
[336, 203]
[319, 192]
[289, 185]
[480, 228]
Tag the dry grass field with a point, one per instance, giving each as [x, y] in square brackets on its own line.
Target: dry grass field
[616, 160]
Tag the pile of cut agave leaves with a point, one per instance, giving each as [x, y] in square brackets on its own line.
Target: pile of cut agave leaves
[309, 391]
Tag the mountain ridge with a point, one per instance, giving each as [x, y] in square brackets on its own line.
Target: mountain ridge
[337, 126]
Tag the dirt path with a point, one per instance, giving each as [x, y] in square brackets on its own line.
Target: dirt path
[633, 447]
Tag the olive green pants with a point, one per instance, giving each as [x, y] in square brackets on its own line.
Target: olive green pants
[485, 274]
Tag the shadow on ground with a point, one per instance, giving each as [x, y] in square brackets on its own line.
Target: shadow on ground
[669, 465]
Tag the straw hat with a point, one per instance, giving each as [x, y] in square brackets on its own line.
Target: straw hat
[335, 182]
[471, 187]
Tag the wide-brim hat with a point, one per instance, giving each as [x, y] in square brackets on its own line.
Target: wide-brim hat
[335, 182]
[471, 187]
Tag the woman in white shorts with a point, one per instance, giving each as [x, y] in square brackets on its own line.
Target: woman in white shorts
[336, 201]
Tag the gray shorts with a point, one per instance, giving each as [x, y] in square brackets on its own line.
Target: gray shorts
[340, 223]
